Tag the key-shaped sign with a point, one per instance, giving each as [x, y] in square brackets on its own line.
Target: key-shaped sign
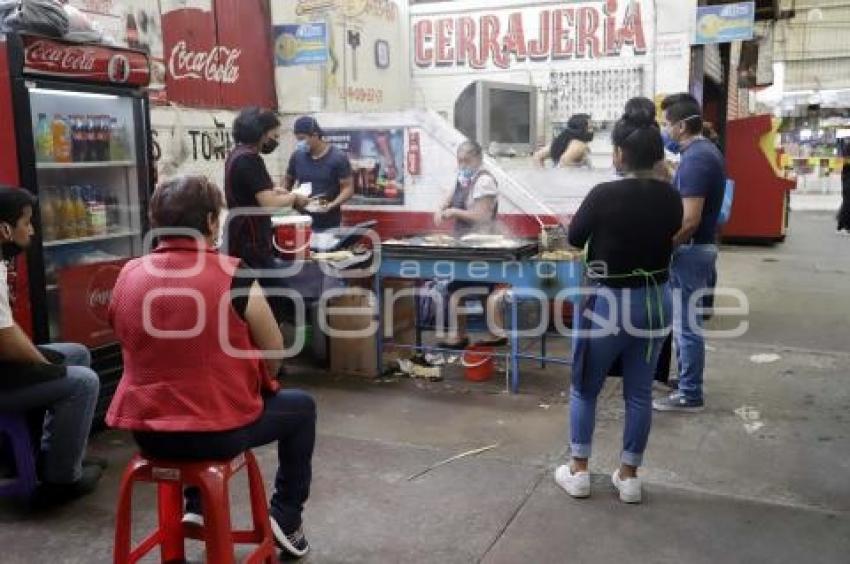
[354, 43]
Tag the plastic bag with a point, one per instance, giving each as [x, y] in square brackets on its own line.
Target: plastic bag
[45, 17]
[432, 296]
[728, 199]
[77, 21]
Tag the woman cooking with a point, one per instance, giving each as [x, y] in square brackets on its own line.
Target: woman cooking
[472, 205]
[628, 227]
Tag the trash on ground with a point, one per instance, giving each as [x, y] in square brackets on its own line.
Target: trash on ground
[766, 358]
[454, 458]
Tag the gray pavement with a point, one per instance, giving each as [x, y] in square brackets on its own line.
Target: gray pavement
[760, 476]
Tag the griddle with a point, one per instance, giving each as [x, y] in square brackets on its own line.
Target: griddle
[414, 248]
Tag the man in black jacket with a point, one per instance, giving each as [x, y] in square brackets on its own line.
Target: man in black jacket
[53, 380]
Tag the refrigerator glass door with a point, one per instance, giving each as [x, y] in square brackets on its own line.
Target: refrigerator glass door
[87, 169]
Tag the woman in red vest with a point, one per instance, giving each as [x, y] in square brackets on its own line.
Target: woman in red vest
[191, 324]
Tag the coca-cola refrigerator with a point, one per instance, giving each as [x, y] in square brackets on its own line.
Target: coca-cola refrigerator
[77, 122]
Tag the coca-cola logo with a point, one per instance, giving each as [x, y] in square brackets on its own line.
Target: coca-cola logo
[219, 64]
[61, 57]
[99, 292]
[119, 69]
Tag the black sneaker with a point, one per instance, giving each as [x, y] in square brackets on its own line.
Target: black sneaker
[293, 544]
[49, 494]
[98, 461]
[678, 402]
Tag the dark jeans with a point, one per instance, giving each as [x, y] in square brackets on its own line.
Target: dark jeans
[289, 417]
[60, 413]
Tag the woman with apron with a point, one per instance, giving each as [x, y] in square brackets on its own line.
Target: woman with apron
[627, 227]
[473, 205]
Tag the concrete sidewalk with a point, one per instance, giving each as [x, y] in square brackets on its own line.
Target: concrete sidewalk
[760, 476]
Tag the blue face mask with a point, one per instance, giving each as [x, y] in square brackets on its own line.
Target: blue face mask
[669, 143]
[302, 146]
[465, 175]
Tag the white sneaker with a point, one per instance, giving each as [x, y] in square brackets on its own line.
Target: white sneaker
[630, 488]
[190, 518]
[577, 485]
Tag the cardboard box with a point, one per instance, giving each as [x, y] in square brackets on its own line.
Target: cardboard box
[356, 355]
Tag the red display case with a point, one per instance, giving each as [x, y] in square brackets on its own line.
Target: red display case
[760, 209]
[76, 133]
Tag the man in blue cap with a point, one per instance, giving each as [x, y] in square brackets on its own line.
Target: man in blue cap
[325, 168]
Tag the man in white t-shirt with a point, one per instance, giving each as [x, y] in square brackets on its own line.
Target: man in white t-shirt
[53, 382]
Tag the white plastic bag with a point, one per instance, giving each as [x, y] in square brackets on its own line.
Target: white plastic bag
[45, 17]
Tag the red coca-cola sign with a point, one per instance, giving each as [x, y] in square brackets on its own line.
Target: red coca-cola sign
[212, 61]
[90, 63]
[85, 292]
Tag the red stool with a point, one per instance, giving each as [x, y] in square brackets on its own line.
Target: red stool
[212, 478]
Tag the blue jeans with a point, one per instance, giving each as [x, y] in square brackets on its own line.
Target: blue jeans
[691, 271]
[288, 417]
[639, 354]
[69, 404]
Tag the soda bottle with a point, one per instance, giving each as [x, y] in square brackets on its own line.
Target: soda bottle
[61, 134]
[43, 140]
[96, 210]
[105, 138]
[48, 219]
[78, 136]
[102, 220]
[66, 221]
[118, 141]
[113, 214]
[80, 214]
[90, 130]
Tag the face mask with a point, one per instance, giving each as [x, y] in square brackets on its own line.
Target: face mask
[302, 146]
[269, 146]
[465, 175]
[669, 143]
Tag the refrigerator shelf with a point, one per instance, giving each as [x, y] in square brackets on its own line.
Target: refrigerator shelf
[86, 165]
[104, 237]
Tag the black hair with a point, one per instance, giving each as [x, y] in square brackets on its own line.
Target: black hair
[13, 202]
[578, 127]
[471, 147]
[637, 135]
[638, 104]
[683, 107]
[252, 123]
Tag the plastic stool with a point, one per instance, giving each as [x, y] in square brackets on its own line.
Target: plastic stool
[212, 478]
[15, 427]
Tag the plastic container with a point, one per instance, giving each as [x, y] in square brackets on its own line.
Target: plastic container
[292, 235]
[478, 363]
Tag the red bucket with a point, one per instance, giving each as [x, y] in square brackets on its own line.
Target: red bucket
[478, 363]
[292, 236]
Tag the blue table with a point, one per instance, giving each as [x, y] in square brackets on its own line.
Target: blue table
[528, 278]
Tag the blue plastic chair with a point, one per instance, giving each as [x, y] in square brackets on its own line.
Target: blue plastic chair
[14, 426]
